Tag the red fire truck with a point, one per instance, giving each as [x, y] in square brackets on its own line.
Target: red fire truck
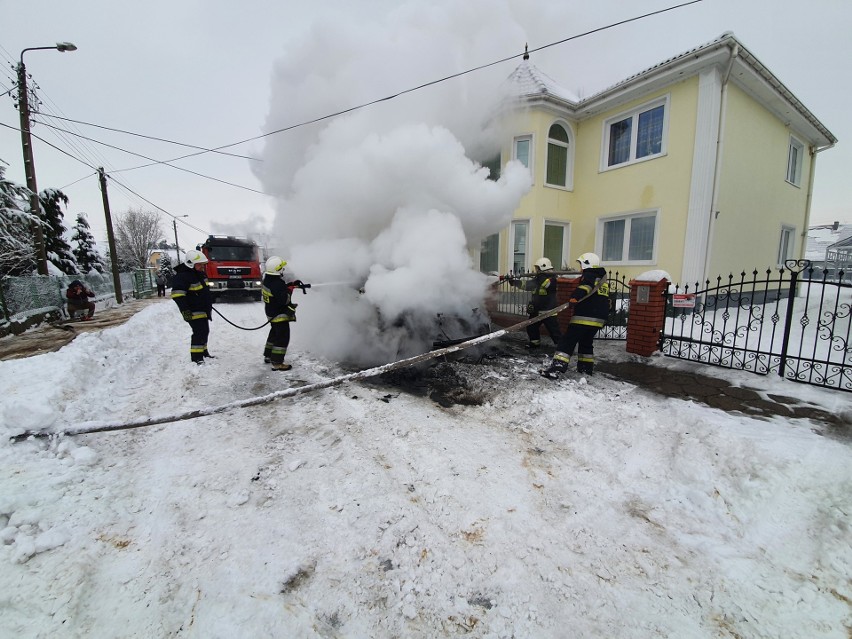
[233, 267]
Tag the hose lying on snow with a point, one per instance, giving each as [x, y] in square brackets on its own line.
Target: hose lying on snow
[94, 427]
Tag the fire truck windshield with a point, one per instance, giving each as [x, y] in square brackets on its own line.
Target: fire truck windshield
[232, 253]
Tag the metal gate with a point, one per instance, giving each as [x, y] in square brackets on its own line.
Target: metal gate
[784, 323]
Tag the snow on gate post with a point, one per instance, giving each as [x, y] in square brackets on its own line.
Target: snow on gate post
[647, 313]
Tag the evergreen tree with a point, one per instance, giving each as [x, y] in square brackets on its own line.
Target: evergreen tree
[166, 269]
[57, 249]
[17, 249]
[85, 251]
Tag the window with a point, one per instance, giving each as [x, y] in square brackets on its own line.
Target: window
[520, 242]
[636, 136]
[489, 254]
[523, 147]
[630, 238]
[557, 156]
[785, 245]
[493, 166]
[556, 244]
[795, 156]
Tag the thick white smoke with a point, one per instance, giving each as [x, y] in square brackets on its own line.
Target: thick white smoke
[386, 199]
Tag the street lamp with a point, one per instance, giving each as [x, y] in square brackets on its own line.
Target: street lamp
[174, 222]
[27, 144]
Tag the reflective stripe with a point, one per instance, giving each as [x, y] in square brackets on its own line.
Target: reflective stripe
[199, 315]
[589, 359]
[178, 294]
[277, 350]
[587, 321]
[196, 287]
[197, 349]
[562, 357]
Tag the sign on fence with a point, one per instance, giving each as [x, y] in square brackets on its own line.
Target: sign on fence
[683, 300]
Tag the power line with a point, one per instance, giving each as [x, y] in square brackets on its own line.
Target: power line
[166, 162]
[152, 137]
[449, 77]
[412, 89]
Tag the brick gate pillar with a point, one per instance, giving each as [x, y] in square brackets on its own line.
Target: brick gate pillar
[567, 286]
[646, 316]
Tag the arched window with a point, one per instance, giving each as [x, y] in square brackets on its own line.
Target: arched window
[557, 156]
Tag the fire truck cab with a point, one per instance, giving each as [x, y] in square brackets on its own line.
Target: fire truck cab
[233, 268]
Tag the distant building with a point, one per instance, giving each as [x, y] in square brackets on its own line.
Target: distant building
[829, 247]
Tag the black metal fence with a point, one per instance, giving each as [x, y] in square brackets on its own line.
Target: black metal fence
[784, 321]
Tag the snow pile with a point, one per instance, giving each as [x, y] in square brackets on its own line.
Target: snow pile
[585, 507]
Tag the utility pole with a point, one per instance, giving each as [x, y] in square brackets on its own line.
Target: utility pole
[177, 248]
[27, 145]
[113, 256]
[29, 167]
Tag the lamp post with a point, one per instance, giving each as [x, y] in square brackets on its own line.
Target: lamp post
[174, 223]
[27, 144]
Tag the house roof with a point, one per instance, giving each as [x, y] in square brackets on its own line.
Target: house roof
[527, 80]
[740, 65]
[821, 237]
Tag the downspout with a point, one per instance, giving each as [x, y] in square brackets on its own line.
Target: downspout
[808, 198]
[714, 212]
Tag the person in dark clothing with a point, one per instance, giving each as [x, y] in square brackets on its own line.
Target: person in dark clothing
[193, 298]
[591, 310]
[543, 287]
[280, 311]
[161, 285]
[78, 295]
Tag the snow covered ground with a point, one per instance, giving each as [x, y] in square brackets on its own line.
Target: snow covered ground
[580, 508]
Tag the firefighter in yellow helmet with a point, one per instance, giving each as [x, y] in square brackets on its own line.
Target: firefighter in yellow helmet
[543, 287]
[193, 299]
[280, 311]
[591, 310]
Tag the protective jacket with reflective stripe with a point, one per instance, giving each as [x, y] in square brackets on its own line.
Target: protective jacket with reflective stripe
[277, 299]
[594, 310]
[190, 292]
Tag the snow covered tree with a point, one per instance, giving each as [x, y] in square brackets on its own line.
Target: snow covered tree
[85, 251]
[166, 266]
[136, 232]
[17, 249]
[58, 250]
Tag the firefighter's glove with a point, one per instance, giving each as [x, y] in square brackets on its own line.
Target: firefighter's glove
[531, 309]
[187, 315]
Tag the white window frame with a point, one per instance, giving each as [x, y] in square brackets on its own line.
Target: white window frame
[566, 241]
[569, 169]
[511, 247]
[794, 173]
[477, 253]
[528, 138]
[628, 218]
[785, 252]
[633, 114]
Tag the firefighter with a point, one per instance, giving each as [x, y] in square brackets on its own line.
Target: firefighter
[193, 298]
[591, 309]
[280, 311]
[543, 287]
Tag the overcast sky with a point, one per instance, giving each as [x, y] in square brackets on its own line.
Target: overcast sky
[200, 72]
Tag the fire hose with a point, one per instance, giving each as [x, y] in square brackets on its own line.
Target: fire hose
[95, 427]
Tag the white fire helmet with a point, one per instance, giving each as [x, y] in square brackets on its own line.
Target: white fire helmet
[544, 264]
[275, 265]
[194, 257]
[589, 260]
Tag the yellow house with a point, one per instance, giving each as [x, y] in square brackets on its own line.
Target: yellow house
[699, 166]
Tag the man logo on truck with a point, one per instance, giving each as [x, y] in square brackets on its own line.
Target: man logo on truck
[233, 266]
